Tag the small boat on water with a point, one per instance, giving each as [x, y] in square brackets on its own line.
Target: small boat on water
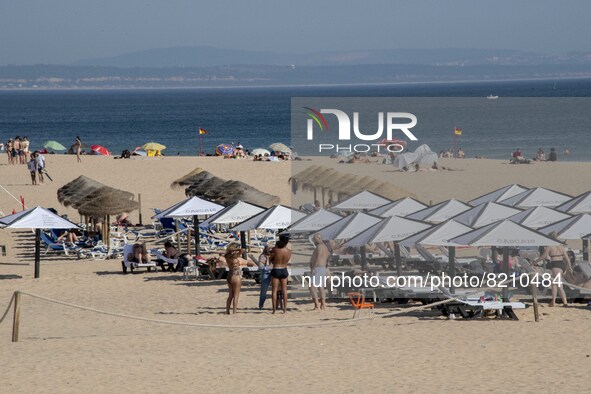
[491, 97]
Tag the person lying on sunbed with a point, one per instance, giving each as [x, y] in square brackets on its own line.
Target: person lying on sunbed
[139, 254]
[170, 252]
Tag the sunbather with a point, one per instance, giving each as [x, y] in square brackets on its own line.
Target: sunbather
[234, 279]
[169, 252]
[559, 263]
[139, 254]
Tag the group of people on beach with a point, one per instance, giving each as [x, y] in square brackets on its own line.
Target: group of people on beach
[518, 157]
[17, 150]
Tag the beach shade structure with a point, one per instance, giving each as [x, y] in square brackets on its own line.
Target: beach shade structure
[440, 212]
[53, 145]
[364, 200]
[503, 193]
[191, 207]
[153, 148]
[280, 147]
[401, 207]
[107, 201]
[74, 191]
[277, 217]
[313, 222]
[235, 213]
[577, 205]
[260, 151]
[100, 150]
[224, 150]
[37, 218]
[485, 214]
[391, 229]
[440, 235]
[504, 234]
[405, 160]
[197, 175]
[538, 217]
[575, 227]
[536, 197]
[349, 226]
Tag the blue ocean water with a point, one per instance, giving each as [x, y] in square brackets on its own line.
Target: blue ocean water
[255, 117]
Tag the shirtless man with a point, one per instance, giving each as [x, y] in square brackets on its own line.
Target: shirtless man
[559, 264]
[319, 265]
[280, 256]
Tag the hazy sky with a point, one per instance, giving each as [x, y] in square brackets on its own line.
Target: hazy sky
[63, 31]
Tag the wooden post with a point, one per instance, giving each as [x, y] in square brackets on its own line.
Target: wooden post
[398, 259]
[585, 250]
[243, 244]
[534, 297]
[178, 235]
[17, 316]
[452, 267]
[196, 229]
[505, 269]
[188, 242]
[139, 200]
[37, 253]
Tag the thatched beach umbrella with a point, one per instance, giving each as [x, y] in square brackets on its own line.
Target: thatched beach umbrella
[73, 191]
[190, 178]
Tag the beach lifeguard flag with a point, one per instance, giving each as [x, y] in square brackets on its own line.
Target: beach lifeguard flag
[457, 131]
[202, 131]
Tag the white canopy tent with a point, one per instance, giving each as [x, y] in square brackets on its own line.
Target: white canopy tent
[438, 235]
[349, 226]
[575, 227]
[500, 194]
[405, 160]
[276, 217]
[402, 207]
[504, 234]
[314, 222]
[537, 217]
[577, 205]
[440, 212]
[36, 218]
[364, 200]
[235, 213]
[392, 229]
[485, 214]
[191, 207]
[536, 197]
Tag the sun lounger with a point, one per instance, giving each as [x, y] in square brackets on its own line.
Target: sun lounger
[126, 264]
[470, 308]
[62, 247]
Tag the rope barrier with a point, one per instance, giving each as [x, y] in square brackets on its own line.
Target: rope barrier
[243, 326]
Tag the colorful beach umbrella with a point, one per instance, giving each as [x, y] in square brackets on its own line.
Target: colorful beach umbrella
[224, 150]
[101, 150]
[153, 146]
[53, 145]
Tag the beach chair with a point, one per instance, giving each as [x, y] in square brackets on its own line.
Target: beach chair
[57, 247]
[126, 264]
[357, 301]
[471, 308]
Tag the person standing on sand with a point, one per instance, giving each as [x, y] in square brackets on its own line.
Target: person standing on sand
[233, 253]
[264, 265]
[78, 149]
[40, 160]
[319, 268]
[32, 165]
[559, 264]
[25, 149]
[9, 149]
[280, 256]
[552, 156]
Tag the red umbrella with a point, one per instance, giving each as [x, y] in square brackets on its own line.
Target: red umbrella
[392, 142]
[101, 150]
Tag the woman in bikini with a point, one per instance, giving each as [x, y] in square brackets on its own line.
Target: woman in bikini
[559, 264]
[78, 148]
[232, 256]
[279, 257]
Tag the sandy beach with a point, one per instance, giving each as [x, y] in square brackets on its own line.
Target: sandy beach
[63, 349]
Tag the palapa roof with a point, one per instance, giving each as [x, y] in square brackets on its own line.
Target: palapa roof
[71, 193]
[108, 202]
[204, 184]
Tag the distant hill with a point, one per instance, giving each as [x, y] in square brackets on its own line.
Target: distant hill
[75, 77]
[206, 56]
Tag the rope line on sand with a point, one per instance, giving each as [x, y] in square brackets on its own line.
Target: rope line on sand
[7, 309]
[240, 326]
